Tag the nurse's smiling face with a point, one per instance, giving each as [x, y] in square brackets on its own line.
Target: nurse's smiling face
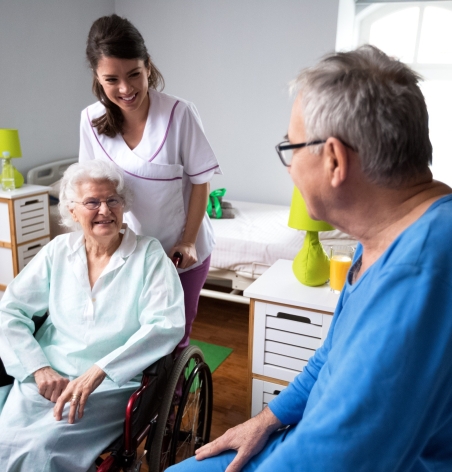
[105, 222]
[125, 82]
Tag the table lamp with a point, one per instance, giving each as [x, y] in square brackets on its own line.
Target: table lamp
[11, 178]
[311, 265]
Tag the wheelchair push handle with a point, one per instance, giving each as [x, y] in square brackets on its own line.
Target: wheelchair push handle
[177, 259]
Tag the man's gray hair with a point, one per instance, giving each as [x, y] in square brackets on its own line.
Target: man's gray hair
[95, 170]
[373, 104]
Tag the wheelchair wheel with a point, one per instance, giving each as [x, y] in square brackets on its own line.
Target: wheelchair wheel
[183, 424]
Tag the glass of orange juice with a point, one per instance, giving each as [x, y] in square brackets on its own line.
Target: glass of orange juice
[340, 261]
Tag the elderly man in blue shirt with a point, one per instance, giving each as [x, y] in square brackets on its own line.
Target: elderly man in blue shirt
[377, 396]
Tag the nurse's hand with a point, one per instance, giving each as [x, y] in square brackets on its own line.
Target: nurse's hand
[77, 393]
[50, 383]
[189, 255]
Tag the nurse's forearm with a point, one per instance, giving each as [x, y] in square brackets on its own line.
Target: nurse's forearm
[196, 210]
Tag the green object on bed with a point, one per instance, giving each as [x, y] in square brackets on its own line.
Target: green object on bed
[213, 354]
[214, 203]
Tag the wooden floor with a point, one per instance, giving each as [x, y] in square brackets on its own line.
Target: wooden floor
[226, 324]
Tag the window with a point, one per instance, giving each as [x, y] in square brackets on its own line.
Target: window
[419, 34]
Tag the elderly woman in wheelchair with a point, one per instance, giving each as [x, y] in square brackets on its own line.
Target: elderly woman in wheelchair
[115, 305]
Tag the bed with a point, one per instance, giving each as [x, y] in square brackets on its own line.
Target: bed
[255, 239]
[246, 246]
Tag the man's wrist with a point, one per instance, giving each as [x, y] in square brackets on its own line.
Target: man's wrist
[269, 420]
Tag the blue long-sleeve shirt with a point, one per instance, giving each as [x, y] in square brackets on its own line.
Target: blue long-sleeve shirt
[377, 396]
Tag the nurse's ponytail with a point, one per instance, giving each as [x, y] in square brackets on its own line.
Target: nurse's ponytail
[113, 36]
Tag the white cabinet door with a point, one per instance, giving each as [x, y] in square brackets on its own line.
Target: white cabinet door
[263, 393]
[284, 339]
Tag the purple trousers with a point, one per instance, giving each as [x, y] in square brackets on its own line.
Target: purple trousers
[192, 282]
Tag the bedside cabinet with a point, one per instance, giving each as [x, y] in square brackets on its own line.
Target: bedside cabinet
[24, 228]
[288, 322]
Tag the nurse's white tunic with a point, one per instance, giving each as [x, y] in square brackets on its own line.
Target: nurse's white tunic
[133, 316]
[173, 154]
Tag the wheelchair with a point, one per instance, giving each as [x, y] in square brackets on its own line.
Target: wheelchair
[170, 426]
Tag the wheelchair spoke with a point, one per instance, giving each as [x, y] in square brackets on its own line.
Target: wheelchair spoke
[187, 437]
[184, 418]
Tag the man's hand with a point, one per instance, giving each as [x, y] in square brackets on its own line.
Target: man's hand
[77, 392]
[50, 383]
[247, 439]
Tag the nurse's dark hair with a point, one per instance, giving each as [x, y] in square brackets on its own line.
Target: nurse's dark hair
[113, 36]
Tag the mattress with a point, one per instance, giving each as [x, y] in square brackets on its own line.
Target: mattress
[258, 236]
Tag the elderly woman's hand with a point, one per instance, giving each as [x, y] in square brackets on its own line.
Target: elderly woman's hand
[77, 392]
[50, 383]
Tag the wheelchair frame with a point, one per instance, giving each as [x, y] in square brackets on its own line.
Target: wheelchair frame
[180, 426]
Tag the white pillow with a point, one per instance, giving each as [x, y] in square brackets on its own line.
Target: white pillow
[55, 191]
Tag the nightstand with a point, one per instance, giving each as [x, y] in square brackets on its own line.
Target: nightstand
[24, 228]
[288, 322]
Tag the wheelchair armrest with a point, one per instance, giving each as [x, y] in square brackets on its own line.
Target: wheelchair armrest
[145, 401]
[5, 379]
[39, 321]
[154, 369]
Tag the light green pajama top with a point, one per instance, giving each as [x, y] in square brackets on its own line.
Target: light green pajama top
[133, 316]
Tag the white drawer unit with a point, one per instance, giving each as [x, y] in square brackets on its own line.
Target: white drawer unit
[24, 228]
[284, 338]
[32, 217]
[288, 322]
[26, 252]
[263, 394]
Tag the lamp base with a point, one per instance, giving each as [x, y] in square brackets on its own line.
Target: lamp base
[18, 177]
[311, 265]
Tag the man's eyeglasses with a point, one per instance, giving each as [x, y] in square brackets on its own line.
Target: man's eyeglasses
[285, 150]
[94, 203]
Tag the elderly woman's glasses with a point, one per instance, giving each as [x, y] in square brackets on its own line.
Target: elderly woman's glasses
[285, 150]
[94, 203]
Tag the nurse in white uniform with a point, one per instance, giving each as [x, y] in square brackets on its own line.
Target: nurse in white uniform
[159, 142]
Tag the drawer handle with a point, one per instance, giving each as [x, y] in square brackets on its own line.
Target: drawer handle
[276, 392]
[288, 316]
[31, 202]
[33, 247]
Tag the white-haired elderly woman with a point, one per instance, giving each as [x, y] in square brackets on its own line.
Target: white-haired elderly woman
[115, 306]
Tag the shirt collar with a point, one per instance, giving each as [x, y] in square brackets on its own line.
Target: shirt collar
[128, 244]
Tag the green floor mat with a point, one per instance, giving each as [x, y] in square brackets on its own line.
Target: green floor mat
[213, 354]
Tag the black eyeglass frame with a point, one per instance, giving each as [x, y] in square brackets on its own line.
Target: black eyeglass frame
[286, 147]
[118, 198]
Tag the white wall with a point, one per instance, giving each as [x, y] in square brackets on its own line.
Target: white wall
[234, 59]
[44, 80]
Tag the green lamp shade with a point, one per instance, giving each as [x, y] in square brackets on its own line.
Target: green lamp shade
[9, 142]
[299, 217]
[10, 148]
[311, 265]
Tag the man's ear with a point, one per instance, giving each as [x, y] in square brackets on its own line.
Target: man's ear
[336, 161]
